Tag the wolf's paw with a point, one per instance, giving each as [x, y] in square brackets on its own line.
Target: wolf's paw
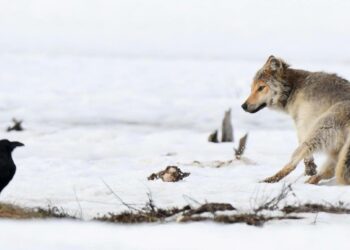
[310, 168]
[272, 179]
[313, 180]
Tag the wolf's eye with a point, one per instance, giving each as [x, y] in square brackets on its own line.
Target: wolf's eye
[261, 88]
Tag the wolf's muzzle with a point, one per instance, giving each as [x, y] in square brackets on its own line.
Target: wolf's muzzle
[250, 110]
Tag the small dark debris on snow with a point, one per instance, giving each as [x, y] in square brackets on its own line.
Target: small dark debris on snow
[241, 147]
[171, 154]
[170, 174]
[17, 126]
[226, 130]
[213, 137]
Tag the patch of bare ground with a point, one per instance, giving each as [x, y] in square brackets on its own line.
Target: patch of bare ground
[251, 219]
[210, 208]
[142, 216]
[189, 214]
[10, 211]
[338, 208]
[222, 212]
[150, 213]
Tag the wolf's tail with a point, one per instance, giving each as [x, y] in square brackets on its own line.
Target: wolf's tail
[342, 170]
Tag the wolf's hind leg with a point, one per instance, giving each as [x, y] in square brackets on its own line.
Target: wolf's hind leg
[326, 172]
[342, 170]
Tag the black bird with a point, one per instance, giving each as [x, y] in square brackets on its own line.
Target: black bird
[7, 166]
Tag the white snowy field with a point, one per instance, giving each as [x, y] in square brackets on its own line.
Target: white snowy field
[90, 120]
[72, 236]
[112, 91]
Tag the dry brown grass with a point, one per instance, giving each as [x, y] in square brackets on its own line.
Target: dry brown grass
[10, 211]
[150, 213]
[339, 208]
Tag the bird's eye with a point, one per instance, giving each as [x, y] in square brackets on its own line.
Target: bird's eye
[261, 88]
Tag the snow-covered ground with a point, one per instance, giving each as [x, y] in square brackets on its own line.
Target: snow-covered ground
[90, 120]
[73, 236]
[111, 97]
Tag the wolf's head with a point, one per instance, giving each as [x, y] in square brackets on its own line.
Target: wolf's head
[269, 88]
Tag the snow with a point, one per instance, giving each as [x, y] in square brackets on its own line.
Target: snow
[87, 126]
[313, 29]
[70, 235]
[108, 89]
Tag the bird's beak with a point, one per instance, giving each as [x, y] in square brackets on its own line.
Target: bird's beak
[15, 144]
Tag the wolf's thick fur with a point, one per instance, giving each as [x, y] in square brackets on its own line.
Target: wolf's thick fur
[319, 104]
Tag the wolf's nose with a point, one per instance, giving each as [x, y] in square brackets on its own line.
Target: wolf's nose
[244, 106]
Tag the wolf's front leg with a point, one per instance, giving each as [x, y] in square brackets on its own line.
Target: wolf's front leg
[281, 174]
[303, 151]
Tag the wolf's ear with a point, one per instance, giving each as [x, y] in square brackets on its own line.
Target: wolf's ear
[274, 64]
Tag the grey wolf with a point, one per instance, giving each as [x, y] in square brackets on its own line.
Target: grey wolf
[7, 166]
[319, 104]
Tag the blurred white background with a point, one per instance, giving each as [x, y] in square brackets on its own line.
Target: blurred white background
[118, 89]
[205, 29]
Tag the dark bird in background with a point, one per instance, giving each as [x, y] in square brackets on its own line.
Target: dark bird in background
[7, 166]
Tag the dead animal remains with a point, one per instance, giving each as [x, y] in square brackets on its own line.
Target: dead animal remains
[170, 174]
